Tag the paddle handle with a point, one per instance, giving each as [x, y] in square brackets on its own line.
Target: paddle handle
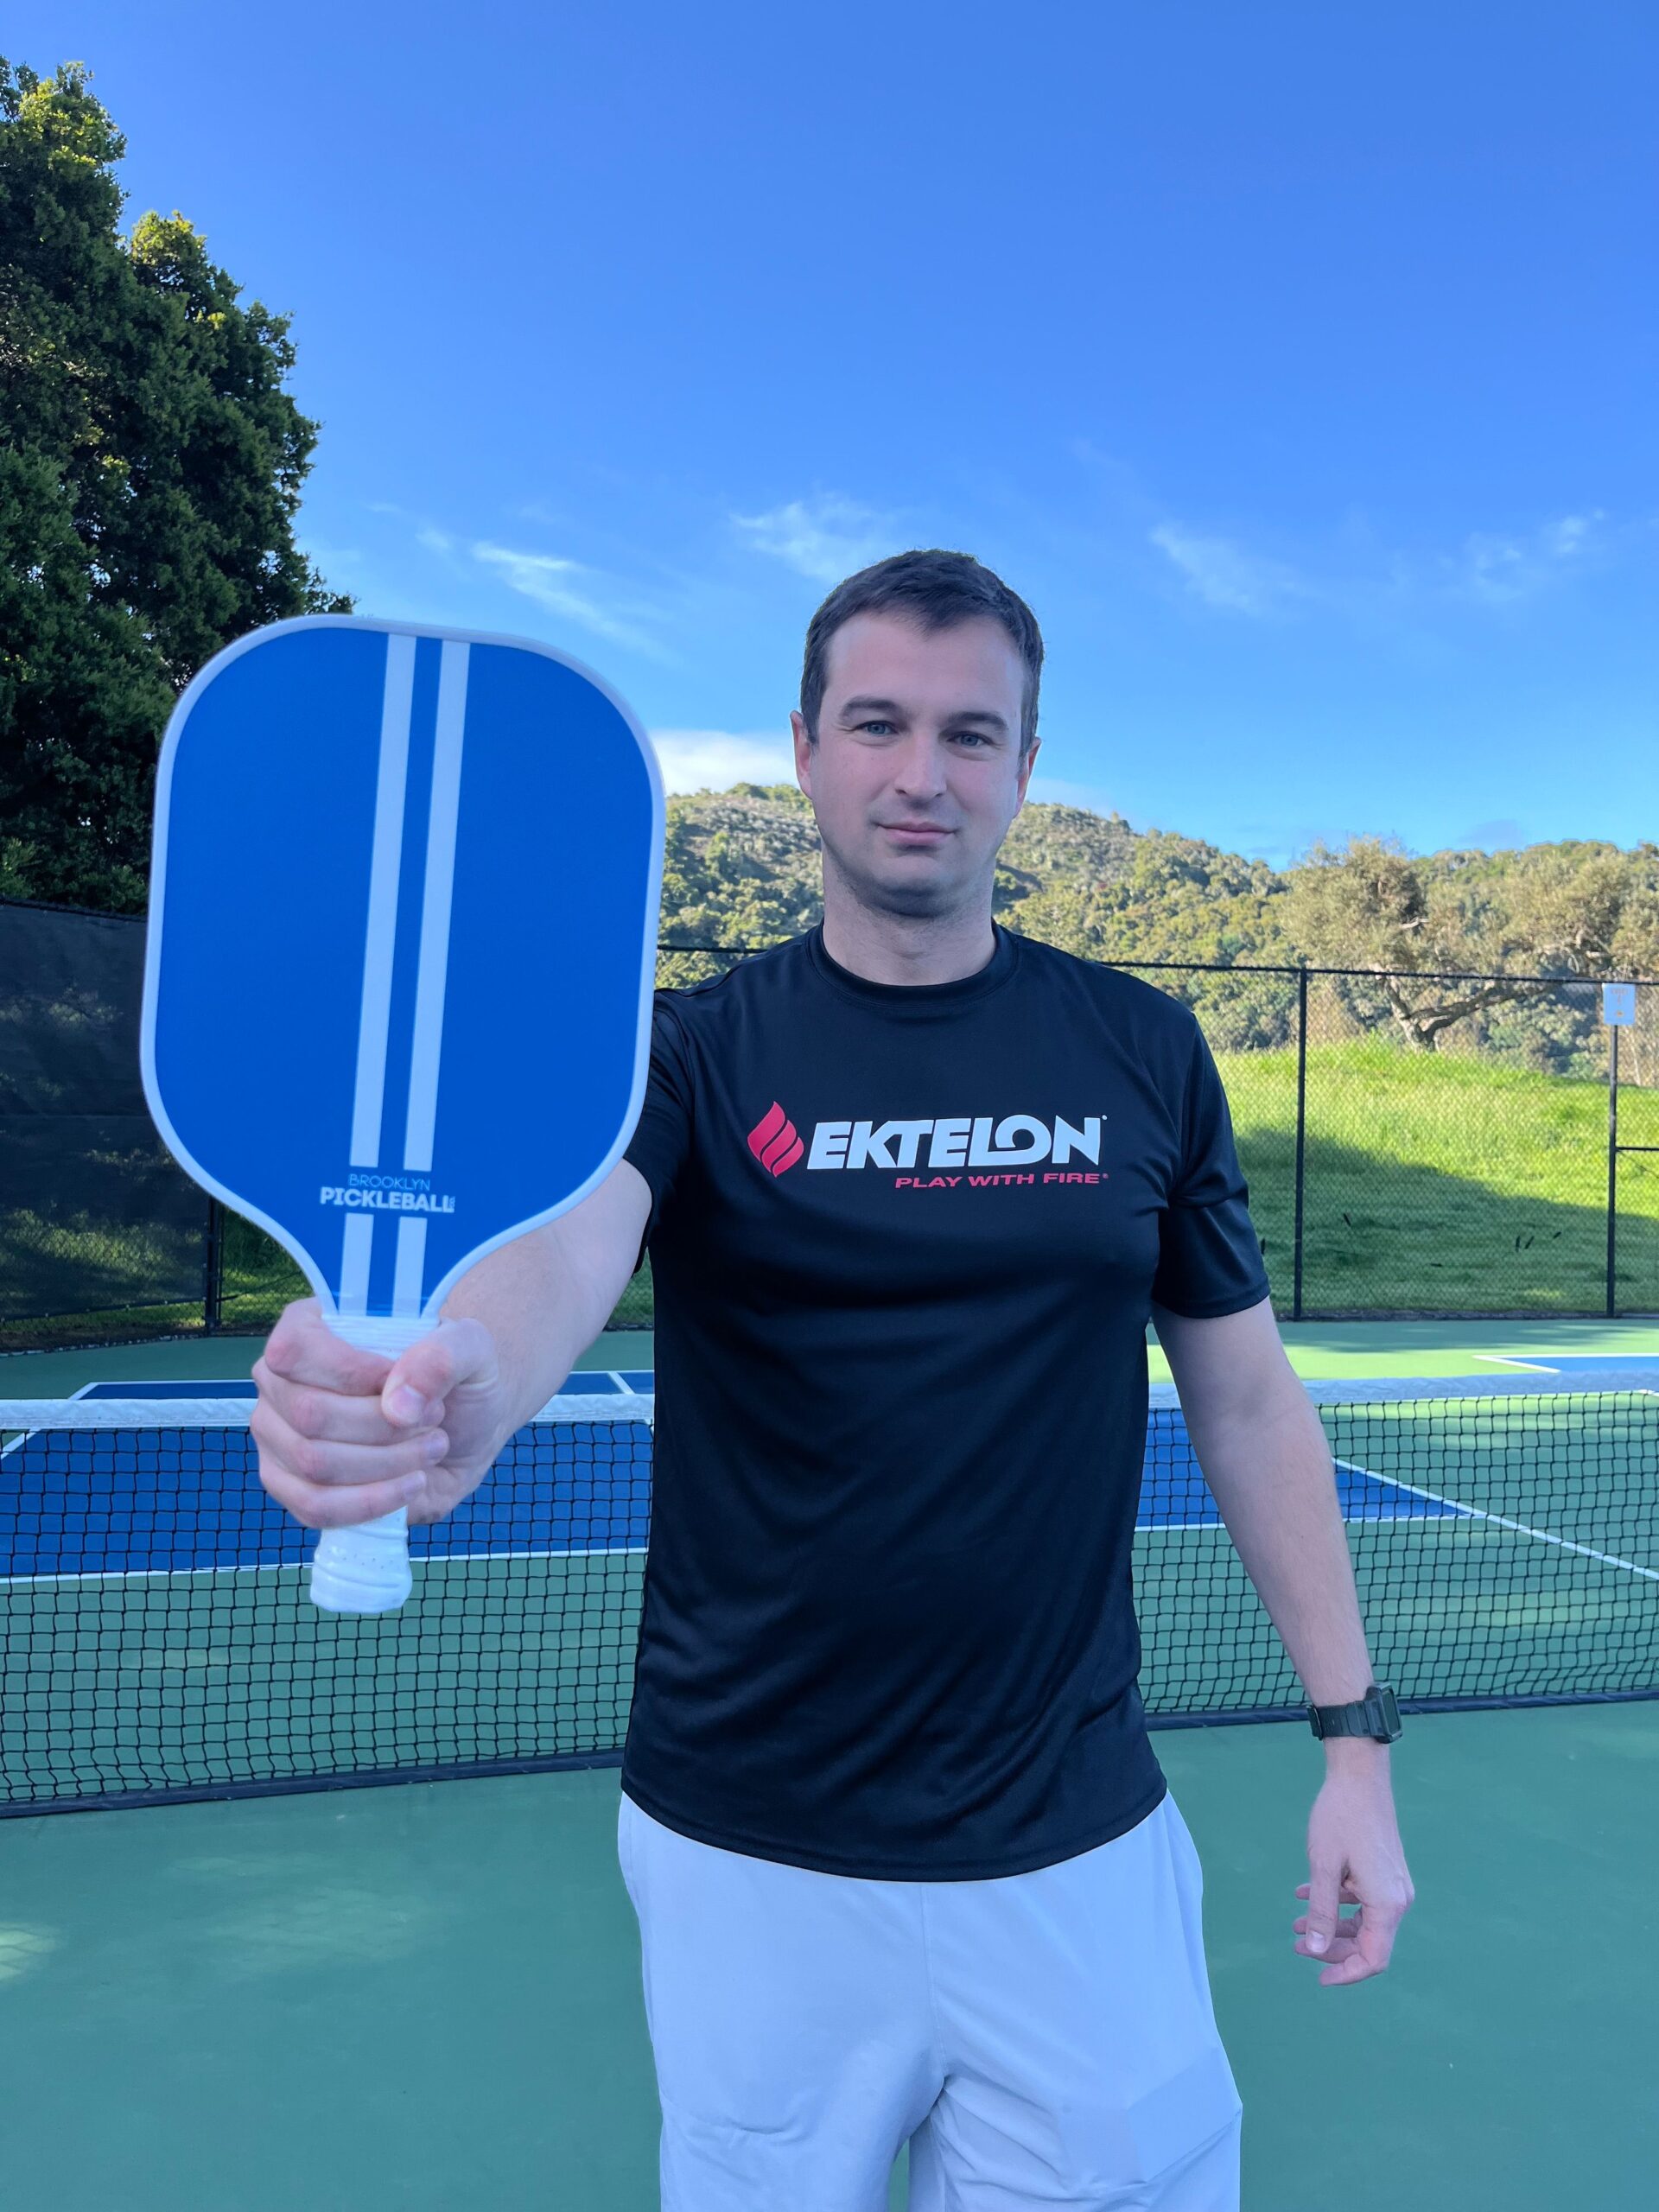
[365, 1569]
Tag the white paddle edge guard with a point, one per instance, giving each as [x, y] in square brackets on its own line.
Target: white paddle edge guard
[365, 1569]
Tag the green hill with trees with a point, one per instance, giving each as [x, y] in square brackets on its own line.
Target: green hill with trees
[742, 870]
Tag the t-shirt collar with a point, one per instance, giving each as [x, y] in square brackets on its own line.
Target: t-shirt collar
[916, 999]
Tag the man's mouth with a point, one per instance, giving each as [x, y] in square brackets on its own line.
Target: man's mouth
[919, 830]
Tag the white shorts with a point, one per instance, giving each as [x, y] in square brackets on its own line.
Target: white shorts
[1044, 2042]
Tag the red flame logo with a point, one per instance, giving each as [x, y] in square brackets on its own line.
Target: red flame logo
[774, 1141]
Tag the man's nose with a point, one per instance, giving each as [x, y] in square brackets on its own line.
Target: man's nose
[919, 771]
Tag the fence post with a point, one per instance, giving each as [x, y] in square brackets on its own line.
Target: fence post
[1302, 1132]
[1612, 1174]
[212, 1269]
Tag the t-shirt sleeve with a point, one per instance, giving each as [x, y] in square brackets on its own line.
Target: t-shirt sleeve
[1209, 1257]
[661, 1142]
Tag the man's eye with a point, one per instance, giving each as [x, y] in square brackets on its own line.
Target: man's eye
[969, 737]
[878, 729]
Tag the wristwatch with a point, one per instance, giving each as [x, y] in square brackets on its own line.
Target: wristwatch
[1375, 1716]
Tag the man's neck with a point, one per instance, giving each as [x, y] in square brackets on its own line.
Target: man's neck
[905, 947]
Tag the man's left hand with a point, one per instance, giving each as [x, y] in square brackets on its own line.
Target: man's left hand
[1355, 1857]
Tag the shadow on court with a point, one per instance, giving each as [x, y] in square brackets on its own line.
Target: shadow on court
[427, 1998]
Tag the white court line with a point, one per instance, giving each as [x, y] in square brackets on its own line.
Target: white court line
[297, 1567]
[1500, 1520]
[432, 981]
[385, 869]
[1454, 1510]
[1356, 1520]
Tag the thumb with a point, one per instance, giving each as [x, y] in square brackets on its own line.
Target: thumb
[420, 1379]
[1323, 1905]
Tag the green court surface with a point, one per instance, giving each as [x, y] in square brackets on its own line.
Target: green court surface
[427, 1998]
[1318, 1351]
[491, 1658]
[208, 1359]
[1329, 1350]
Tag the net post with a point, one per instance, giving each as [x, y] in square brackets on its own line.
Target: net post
[212, 1269]
[1301, 1134]
[1613, 1174]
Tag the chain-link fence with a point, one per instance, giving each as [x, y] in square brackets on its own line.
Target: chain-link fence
[1437, 1144]
[1433, 1145]
[99, 1232]
[1469, 1176]
[103, 1238]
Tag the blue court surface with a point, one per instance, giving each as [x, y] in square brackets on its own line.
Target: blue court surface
[180, 1500]
[595, 1382]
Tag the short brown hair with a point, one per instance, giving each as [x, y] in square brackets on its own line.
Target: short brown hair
[936, 590]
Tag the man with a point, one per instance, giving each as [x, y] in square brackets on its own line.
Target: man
[904, 1865]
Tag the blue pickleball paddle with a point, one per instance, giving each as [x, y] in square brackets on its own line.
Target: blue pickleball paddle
[402, 944]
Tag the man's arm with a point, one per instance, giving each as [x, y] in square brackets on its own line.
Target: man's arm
[545, 1297]
[1258, 1439]
[345, 1435]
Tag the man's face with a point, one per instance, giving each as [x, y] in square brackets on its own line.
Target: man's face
[917, 773]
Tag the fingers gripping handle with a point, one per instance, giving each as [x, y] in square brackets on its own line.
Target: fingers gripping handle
[365, 1569]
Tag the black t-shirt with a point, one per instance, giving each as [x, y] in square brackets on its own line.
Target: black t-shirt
[905, 1241]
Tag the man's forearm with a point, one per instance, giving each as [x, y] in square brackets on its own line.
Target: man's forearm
[1272, 1478]
[518, 1293]
[1263, 1453]
[544, 1297]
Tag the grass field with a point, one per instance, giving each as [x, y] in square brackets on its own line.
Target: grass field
[1433, 1183]
[1439, 1183]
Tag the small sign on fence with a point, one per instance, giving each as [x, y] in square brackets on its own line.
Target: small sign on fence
[1619, 1005]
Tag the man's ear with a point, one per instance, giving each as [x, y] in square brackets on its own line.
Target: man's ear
[805, 749]
[1026, 767]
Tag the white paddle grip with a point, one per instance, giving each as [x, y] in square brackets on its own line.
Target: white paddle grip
[365, 1569]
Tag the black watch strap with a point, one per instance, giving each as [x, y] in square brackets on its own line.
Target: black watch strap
[1375, 1716]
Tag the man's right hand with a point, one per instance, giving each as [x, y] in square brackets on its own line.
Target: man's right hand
[345, 1435]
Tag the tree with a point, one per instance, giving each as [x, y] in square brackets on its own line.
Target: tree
[1148, 895]
[1572, 910]
[740, 867]
[150, 468]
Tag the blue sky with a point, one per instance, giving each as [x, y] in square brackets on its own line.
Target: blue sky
[1296, 362]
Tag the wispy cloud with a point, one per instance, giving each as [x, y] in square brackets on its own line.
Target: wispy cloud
[825, 538]
[1227, 575]
[548, 580]
[1355, 575]
[715, 760]
[329, 557]
[1498, 570]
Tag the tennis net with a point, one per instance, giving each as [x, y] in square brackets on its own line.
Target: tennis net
[157, 1642]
